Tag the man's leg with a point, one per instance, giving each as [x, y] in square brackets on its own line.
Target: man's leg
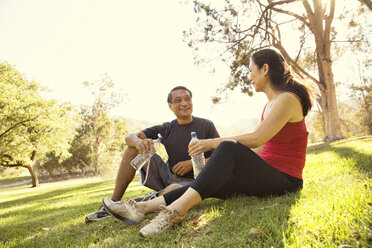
[124, 177]
[125, 174]
[169, 188]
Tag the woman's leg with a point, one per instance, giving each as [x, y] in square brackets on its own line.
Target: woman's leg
[233, 169]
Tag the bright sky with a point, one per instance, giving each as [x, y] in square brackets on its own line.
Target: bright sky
[61, 44]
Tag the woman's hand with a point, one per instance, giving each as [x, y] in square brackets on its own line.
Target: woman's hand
[200, 146]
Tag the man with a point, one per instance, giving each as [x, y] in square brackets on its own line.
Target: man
[160, 176]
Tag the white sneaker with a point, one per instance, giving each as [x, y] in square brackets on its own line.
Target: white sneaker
[166, 219]
[125, 211]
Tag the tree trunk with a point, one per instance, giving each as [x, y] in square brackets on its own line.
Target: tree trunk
[369, 120]
[35, 181]
[329, 105]
[320, 26]
[96, 156]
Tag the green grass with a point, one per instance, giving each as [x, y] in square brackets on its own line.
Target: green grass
[6, 181]
[333, 210]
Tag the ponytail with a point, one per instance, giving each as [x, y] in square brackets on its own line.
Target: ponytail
[281, 77]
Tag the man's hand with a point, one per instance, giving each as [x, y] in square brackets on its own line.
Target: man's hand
[182, 168]
[145, 146]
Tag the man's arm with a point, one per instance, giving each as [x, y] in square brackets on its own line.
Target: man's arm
[139, 140]
[183, 167]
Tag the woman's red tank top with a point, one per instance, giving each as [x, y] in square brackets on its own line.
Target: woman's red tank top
[286, 151]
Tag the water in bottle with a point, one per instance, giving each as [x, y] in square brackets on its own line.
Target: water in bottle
[141, 159]
[198, 161]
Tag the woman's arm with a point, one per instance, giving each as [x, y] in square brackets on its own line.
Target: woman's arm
[257, 150]
[286, 108]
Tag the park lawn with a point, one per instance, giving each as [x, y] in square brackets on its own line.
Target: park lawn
[334, 209]
[14, 180]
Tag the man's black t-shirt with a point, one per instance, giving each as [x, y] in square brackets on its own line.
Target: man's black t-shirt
[176, 138]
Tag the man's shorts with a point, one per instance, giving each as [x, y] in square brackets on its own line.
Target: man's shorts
[158, 175]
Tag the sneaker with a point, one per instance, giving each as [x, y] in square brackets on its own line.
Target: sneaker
[147, 197]
[99, 215]
[166, 219]
[125, 211]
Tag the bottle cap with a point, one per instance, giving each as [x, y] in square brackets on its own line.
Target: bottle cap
[193, 135]
[160, 138]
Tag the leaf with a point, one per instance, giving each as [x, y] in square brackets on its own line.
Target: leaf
[200, 222]
[255, 231]
[33, 236]
[266, 207]
[48, 228]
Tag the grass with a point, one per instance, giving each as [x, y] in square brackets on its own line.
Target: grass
[333, 210]
[7, 181]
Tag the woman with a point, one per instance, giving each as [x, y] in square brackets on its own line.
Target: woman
[268, 161]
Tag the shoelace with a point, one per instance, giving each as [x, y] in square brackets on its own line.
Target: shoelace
[129, 202]
[163, 218]
[132, 204]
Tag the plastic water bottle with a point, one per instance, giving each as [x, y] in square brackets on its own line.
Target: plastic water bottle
[198, 161]
[141, 159]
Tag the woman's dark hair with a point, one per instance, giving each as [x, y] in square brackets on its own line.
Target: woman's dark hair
[281, 77]
[169, 99]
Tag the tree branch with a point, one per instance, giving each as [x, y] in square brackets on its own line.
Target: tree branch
[298, 17]
[367, 3]
[300, 50]
[6, 163]
[308, 8]
[350, 41]
[13, 165]
[14, 126]
[294, 64]
[327, 29]
[310, 14]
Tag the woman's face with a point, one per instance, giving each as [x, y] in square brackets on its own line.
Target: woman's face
[257, 76]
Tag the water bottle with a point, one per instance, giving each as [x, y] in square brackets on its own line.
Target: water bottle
[141, 159]
[198, 161]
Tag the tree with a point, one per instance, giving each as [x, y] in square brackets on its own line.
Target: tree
[30, 126]
[241, 27]
[101, 128]
[83, 153]
[362, 92]
[100, 139]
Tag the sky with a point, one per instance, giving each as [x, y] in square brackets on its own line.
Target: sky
[61, 44]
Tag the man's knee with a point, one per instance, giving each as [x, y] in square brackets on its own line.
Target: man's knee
[169, 188]
[130, 153]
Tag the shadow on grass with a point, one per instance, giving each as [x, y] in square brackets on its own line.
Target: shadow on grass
[53, 193]
[362, 161]
[236, 222]
[5, 181]
[62, 210]
[212, 223]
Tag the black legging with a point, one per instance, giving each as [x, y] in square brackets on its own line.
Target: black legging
[234, 169]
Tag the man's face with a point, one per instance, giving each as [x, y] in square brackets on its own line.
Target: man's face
[181, 104]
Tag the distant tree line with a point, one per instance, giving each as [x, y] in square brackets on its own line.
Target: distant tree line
[37, 133]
